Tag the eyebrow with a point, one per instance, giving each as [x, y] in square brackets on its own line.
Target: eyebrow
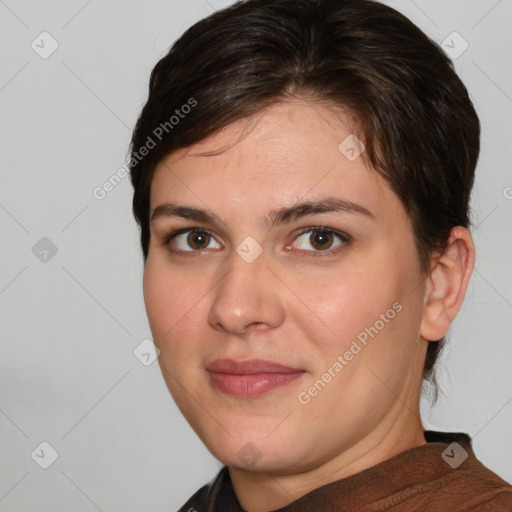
[275, 217]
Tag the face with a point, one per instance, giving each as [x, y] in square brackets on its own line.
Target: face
[278, 246]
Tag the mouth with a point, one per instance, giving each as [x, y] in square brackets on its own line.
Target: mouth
[250, 378]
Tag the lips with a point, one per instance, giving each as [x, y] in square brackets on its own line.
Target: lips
[250, 378]
[248, 367]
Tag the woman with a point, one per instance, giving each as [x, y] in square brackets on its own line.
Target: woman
[302, 173]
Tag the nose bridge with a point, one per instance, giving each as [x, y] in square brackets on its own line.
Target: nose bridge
[246, 294]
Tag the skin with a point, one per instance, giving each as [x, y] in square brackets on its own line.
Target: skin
[295, 304]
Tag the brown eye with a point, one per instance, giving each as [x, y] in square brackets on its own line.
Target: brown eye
[191, 240]
[198, 240]
[321, 240]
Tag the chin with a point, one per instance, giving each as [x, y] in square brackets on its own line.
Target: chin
[253, 453]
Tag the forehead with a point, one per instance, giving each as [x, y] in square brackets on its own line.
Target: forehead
[273, 158]
[301, 125]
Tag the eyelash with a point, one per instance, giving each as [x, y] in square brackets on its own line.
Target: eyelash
[344, 237]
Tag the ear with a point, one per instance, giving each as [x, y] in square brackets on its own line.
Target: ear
[446, 284]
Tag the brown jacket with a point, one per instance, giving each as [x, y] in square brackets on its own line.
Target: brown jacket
[440, 476]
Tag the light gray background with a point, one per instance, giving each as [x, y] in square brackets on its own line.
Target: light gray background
[69, 325]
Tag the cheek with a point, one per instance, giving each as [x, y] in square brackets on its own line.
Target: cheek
[366, 310]
[175, 314]
[176, 306]
[158, 298]
[166, 299]
[338, 307]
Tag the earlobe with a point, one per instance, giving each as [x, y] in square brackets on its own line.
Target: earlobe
[446, 284]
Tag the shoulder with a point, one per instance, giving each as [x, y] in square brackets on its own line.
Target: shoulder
[477, 489]
[466, 485]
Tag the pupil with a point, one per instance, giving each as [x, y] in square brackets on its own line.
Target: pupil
[320, 239]
[197, 239]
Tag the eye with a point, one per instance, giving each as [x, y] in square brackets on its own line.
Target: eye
[319, 239]
[316, 240]
[190, 240]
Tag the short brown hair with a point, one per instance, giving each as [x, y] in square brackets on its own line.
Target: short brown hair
[414, 114]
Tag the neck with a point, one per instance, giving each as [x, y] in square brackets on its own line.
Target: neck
[264, 492]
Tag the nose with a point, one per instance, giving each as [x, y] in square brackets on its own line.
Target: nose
[247, 298]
